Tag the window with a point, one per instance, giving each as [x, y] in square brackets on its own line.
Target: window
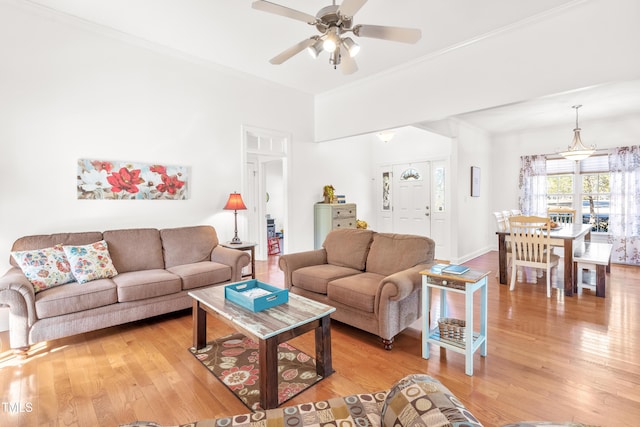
[596, 192]
[583, 186]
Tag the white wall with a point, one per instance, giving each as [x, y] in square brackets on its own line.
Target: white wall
[345, 164]
[68, 92]
[471, 214]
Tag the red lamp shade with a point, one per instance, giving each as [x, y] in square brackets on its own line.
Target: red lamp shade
[235, 203]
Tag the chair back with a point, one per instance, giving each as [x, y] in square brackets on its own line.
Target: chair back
[530, 240]
[501, 221]
[562, 214]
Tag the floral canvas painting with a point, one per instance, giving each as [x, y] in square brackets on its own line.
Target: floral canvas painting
[99, 179]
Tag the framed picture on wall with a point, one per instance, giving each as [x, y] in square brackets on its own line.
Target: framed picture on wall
[475, 181]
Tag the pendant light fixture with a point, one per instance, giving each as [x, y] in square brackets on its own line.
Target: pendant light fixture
[577, 150]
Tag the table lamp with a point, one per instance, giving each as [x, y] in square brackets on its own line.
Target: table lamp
[235, 204]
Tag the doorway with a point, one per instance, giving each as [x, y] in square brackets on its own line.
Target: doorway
[266, 183]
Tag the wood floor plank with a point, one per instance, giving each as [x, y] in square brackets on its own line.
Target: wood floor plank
[559, 358]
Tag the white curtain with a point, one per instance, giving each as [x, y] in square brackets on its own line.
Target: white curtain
[624, 214]
[533, 185]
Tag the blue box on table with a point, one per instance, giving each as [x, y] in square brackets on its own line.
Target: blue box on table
[254, 295]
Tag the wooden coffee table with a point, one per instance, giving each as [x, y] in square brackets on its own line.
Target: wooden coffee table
[268, 328]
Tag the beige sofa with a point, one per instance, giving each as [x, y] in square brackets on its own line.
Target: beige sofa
[155, 270]
[371, 278]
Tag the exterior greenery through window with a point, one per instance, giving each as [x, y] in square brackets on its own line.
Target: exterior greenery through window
[583, 186]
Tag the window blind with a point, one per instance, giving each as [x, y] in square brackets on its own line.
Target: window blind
[598, 163]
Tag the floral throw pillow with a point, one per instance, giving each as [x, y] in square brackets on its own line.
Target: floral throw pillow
[45, 268]
[90, 262]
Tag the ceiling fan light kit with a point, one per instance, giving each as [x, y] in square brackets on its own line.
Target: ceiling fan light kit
[333, 22]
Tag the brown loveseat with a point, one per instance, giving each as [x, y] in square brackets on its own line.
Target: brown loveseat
[155, 270]
[371, 278]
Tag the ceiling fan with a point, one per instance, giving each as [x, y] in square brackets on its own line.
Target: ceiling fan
[333, 22]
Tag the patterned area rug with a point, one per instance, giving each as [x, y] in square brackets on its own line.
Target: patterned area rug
[234, 361]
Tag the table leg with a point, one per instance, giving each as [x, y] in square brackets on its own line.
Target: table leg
[483, 316]
[324, 363]
[601, 280]
[502, 258]
[426, 318]
[253, 262]
[443, 303]
[268, 359]
[468, 345]
[199, 316]
[569, 284]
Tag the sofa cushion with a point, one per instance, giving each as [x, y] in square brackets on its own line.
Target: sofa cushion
[315, 278]
[348, 247]
[203, 273]
[138, 285]
[358, 410]
[391, 253]
[188, 245]
[90, 262]
[358, 291]
[419, 400]
[48, 240]
[135, 249]
[45, 268]
[75, 297]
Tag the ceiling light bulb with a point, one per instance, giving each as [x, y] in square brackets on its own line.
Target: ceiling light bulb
[330, 43]
[351, 46]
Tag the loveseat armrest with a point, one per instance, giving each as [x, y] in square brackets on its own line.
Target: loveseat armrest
[18, 294]
[289, 263]
[234, 258]
[400, 285]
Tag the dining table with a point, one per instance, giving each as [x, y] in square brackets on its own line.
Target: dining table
[563, 236]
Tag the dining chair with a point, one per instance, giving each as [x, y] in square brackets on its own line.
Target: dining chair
[531, 246]
[516, 212]
[562, 214]
[502, 223]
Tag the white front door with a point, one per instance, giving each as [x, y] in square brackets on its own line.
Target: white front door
[411, 198]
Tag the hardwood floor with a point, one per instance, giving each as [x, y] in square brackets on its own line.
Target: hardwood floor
[562, 359]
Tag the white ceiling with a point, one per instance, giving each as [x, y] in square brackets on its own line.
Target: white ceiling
[598, 102]
[233, 34]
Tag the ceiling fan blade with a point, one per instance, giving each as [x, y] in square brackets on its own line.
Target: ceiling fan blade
[350, 7]
[347, 63]
[396, 34]
[293, 50]
[276, 9]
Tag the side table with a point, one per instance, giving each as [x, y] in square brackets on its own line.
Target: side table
[466, 284]
[245, 246]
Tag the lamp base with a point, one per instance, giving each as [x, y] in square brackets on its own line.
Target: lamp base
[236, 240]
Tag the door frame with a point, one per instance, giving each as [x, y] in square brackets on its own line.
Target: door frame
[271, 145]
